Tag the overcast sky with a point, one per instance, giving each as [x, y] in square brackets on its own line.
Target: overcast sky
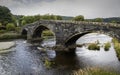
[88, 8]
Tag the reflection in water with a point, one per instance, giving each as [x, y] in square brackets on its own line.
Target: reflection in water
[28, 60]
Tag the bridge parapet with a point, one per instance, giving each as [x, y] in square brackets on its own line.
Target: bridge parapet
[73, 22]
[79, 22]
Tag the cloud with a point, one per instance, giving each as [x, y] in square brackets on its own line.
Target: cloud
[88, 8]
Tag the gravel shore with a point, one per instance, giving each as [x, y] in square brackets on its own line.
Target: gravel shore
[6, 45]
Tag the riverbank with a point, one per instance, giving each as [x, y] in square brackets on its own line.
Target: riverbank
[93, 71]
[9, 36]
[5, 46]
[116, 43]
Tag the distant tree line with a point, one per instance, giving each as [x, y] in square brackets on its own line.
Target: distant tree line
[30, 19]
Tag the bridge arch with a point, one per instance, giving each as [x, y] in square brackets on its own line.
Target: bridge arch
[72, 40]
[24, 32]
[37, 32]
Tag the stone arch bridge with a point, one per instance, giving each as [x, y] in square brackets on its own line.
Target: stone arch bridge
[67, 32]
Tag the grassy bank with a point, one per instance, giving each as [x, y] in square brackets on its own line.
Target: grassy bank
[117, 47]
[93, 71]
[10, 35]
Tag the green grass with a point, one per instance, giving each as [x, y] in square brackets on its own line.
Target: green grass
[48, 64]
[10, 35]
[117, 47]
[107, 46]
[94, 46]
[93, 71]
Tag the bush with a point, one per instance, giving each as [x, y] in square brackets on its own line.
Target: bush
[107, 46]
[47, 33]
[79, 18]
[10, 27]
[93, 46]
[98, 20]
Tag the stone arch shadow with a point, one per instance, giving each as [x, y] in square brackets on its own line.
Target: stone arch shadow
[72, 40]
[24, 33]
[37, 32]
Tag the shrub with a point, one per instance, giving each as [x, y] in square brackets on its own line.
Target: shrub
[47, 33]
[10, 27]
[79, 18]
[107, 46]
[93, 46]
[98, 20]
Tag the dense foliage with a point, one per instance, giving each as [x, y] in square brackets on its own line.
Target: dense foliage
[5, 15]
[30, 19]
[98, 20]
[10, 27]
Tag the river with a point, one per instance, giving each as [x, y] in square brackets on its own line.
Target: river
[29, 60]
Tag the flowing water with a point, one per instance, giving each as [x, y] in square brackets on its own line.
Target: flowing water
[29, 60]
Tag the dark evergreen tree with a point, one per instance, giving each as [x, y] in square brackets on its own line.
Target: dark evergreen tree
[5, 15]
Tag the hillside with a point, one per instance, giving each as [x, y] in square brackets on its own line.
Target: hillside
[67, 17]
[116, 19]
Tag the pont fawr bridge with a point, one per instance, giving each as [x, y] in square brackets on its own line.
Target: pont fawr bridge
[68, 32]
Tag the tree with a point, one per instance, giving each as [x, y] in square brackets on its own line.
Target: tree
[5, 15]
[98, 20]
[10, 27]
[79, 18]
[46, 17]
[58, 17]
[28, 19]
[23, 22]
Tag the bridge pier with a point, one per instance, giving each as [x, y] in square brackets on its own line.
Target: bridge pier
[61, 49]
[29, 38]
